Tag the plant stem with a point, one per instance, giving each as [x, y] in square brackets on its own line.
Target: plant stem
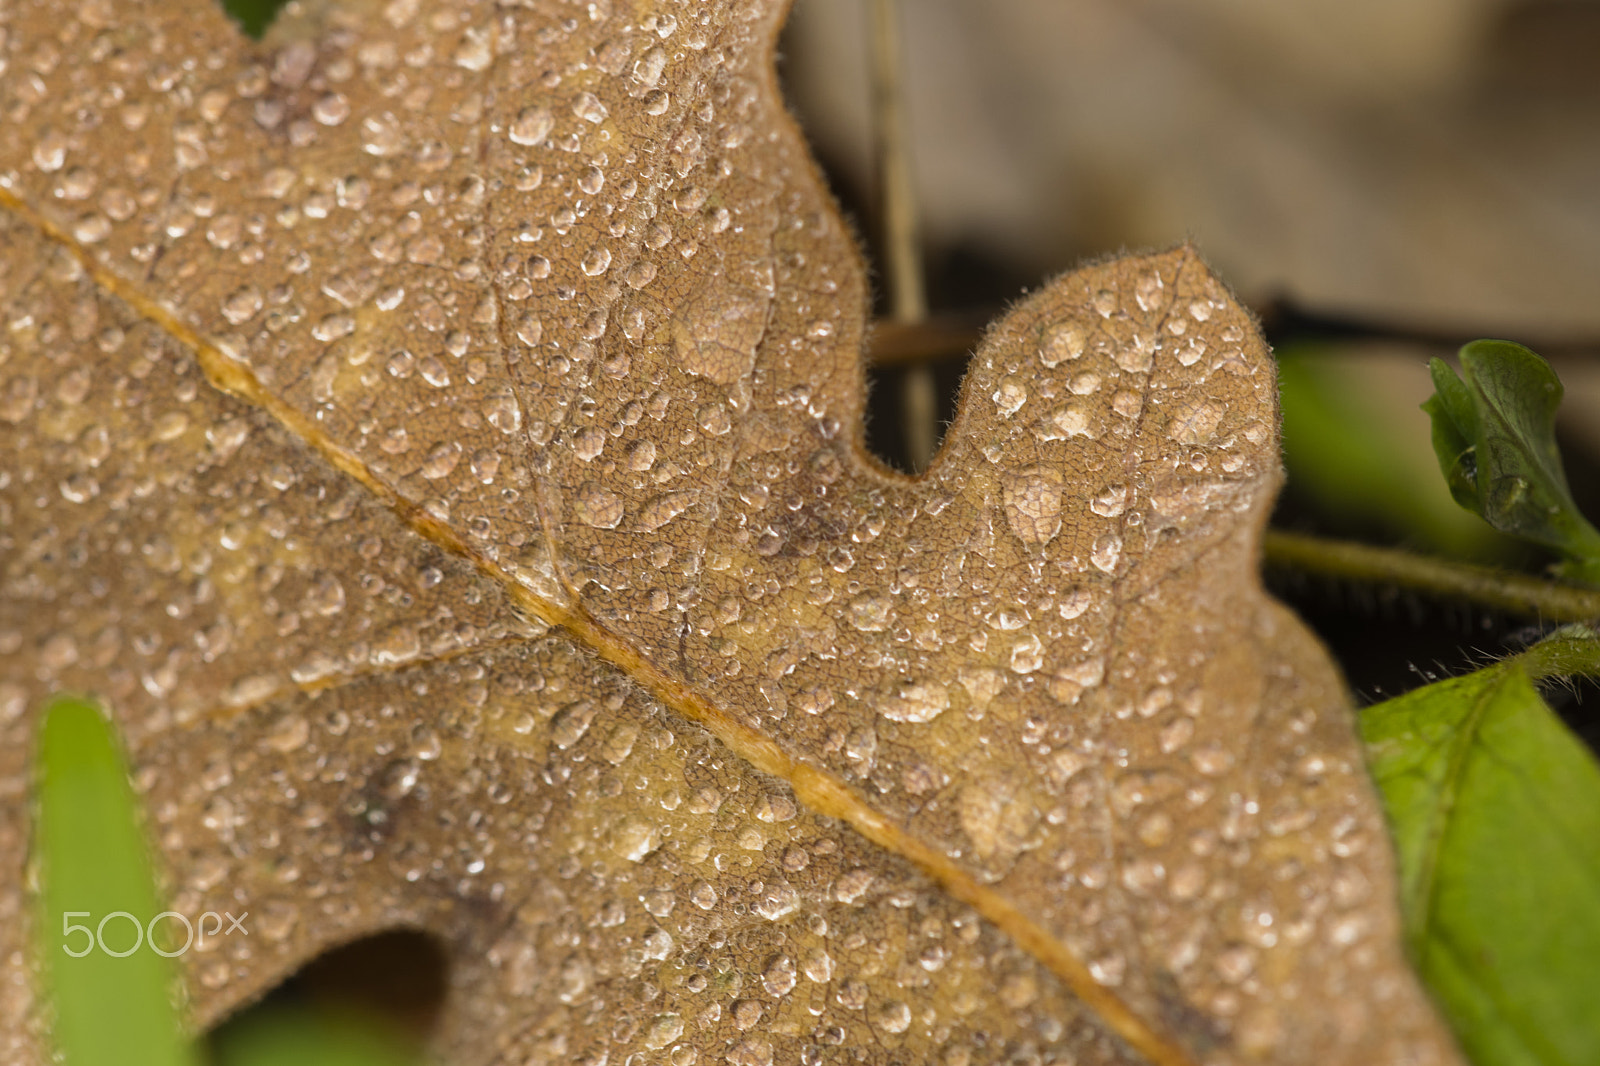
[1570, 651]
[1504, 590]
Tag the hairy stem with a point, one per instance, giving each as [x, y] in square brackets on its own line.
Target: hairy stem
[1568, 652]
[1503, 590]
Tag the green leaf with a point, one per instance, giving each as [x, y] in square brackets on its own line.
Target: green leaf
[1356, 452]
[253, 16]
[1494, 434]
[95, 874]
[1455, 430]
[298, 1035]
[1495, 809]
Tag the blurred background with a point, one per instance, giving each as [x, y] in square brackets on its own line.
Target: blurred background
[1431, 161]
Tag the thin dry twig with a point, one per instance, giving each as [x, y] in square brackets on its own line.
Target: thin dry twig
[919, 397]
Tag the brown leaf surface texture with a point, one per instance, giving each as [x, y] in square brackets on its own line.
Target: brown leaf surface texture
[435, 432]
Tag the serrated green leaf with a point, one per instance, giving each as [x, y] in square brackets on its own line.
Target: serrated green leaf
[1495, 808]
[95, 873]
[1494, 434]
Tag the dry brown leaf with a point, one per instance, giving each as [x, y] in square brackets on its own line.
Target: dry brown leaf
[435, 432]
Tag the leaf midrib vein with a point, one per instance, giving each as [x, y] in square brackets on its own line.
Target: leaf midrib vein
[818, 788]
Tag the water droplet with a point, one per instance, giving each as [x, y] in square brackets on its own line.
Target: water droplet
[1108, 969]
[331, 109]
[79, 487]
[1187, 881]
[1010, 397]
[597, 506]
[640, 274]
[1233, 964]
[278, 920]
[919, 702]
[501, 410]
[1212, 759]
[242, 305]
[381, 135]
[1019, 990]
[892, 1016]
[1175, 734]
[588, 444]
[982, 683]
[752, 1052]
[1110, 501]
[1060, 342]
[870, 613]
[633, 839]
[531, 126]
[818, 966]
[1067, 421]
[716, 337]
[441, 461]
[433, 371]
[664, 1029]
[1031, 498]
[597, 261]
[288, 733]
[571, 723]
[1196, 423]
[1136, 356]
[50, 151]
[778, 901]
[647, 69]
[779, 977]
[589, 108]
[1104, 303]
[1027, 655]
[850, 887]
[642, 455]
[399, 779]
[1069, 683]
[1084, 384]
[1106, 552]
[1192, 352]
[998, 816]
[619, 744]
[714, 419]
[1075, 602]
[397, 644]
[660, 510]
[1149, 292]
[325, 596]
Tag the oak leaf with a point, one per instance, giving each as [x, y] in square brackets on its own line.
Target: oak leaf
[435, 432]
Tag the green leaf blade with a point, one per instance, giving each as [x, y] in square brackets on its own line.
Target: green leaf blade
[93, 862]
[1496, 813]
[1455, 431]
[296, 1035]
[1494, 436]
